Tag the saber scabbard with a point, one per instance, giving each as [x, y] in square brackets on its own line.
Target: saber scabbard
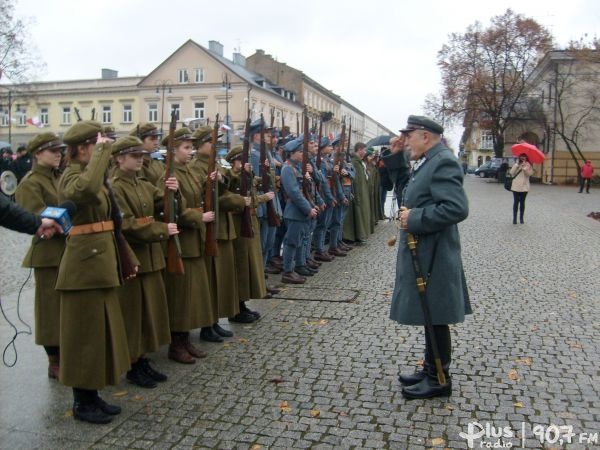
[411, 242]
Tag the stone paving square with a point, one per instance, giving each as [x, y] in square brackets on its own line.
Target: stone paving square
[322, 373]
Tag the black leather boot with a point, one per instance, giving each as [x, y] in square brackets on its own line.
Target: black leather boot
[138, 376]
[151, 371]
[222, 331]
[207, 334]
[428, 387]
[86, 409]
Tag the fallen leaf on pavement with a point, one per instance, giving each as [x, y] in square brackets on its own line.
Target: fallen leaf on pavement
[527, 361]
[449, 407]
[256, 447]
[576, 345]
[344, 414]
[276, 380]
[573, 295]
[513, 375]
[316, 322]
[69, 413]
[534, 328]
[120, 394]
[315, 412]
[243, 341]
[438, 441]
[226, 345]
[518, 405]
[284, 407]
[138, 398]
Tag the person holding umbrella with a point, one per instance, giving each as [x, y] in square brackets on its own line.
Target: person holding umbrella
[520, 172]
[430, 288]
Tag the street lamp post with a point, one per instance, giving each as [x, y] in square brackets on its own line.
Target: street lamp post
[227, 85]
[161, 87]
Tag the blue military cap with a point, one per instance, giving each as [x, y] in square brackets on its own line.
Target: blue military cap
[293, 146]
[255, 126]
[311, 137]
[325, 142]
[336, 140]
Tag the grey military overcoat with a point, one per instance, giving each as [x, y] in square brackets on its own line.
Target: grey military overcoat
[437, 201]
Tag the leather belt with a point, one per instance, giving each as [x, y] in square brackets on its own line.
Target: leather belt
[200, 210]
[144, 220]
[89, 228]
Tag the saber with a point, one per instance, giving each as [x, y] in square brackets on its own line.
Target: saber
[411, 242]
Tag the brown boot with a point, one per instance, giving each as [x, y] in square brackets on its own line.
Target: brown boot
[177, 350]
[53, 366]
[337, 252]
[292, 278]
[194, 351]
[324, 257]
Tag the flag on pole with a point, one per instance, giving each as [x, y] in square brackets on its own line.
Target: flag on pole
[35, 121]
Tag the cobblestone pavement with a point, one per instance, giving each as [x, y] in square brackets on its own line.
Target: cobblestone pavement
[320, 369]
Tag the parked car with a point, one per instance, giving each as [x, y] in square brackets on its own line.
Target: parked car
[487, 170]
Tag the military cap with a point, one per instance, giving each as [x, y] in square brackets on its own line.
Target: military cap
[145, 129]
[109, 131]
[422, 123]
[275, 133]
[255, 126]
[325, 142]
[234, 153]
[182, 134]
[82, 132]
[293, 146]
[128, 144]
[202, 134]
[336, 140]
[44, 141]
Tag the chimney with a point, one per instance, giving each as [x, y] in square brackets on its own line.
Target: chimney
[215, 47]
[109, 74]
[260, 51]
[239, 59]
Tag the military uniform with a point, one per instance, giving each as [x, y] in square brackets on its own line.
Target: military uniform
[325, 173]
[248, 253]
[357, 223]
[143, 300]
[192, 303]
[153, 169]
[93, 342]
[37, 190]
[436, 203]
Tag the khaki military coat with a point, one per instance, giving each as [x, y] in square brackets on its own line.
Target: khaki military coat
[93, 342]
[357, 224]
[248, 252]
[152, 170]
[143, 300]
[37, 190]
[191, 301]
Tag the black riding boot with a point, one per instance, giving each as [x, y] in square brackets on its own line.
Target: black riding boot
[86, 408]
[429, 386]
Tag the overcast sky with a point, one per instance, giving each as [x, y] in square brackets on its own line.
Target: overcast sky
[378, 55]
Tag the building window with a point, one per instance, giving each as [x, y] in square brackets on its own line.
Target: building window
[199, 75]
[199, 110]
[175, 107]
[21, 117]
[182, 76]
[152, 112]
[487, 140]
[127, 114]
[66, 116]
[3, 117]
[106, 114]
[44, 116]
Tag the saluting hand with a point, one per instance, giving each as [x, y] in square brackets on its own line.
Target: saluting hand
[103, 139]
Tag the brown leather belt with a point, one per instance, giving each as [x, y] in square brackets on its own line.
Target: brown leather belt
[144, 220]
[89, 228]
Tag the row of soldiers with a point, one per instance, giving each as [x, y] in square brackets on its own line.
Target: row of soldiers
[103, 298]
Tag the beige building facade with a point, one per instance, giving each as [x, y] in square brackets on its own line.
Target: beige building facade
[194, 81]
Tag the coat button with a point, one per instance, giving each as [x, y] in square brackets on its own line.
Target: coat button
[94, 250]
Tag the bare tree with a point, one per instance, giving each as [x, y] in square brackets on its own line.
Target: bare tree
[19, 60]
[484, 70]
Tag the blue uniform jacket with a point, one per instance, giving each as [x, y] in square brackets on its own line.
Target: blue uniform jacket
[296, 206]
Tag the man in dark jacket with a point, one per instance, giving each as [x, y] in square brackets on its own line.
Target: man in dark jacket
[15, 218]
[435, 202]
[396, 165]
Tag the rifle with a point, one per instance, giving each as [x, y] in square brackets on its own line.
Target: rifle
[246, 230]
[349, 140]
[77, 113]
[211, 192]
[272, 218]
[93, 113]
[174, 261]
[319, 144]
[298, 123]
[306, 182]
[338, 154]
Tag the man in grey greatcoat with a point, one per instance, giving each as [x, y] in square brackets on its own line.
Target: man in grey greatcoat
[435, 203]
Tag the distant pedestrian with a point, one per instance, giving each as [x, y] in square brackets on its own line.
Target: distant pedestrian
[586, 176]
[520, 171]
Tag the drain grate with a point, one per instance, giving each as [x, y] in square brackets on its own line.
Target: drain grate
[315, 294]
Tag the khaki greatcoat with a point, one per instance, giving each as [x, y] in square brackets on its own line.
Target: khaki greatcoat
[143, 300]
[37, 190]
[190, 296]
[93, 343]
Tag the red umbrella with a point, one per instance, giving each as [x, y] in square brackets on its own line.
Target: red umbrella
[534, 155]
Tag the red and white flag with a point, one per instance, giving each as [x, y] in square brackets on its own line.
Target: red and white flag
[35, 121]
